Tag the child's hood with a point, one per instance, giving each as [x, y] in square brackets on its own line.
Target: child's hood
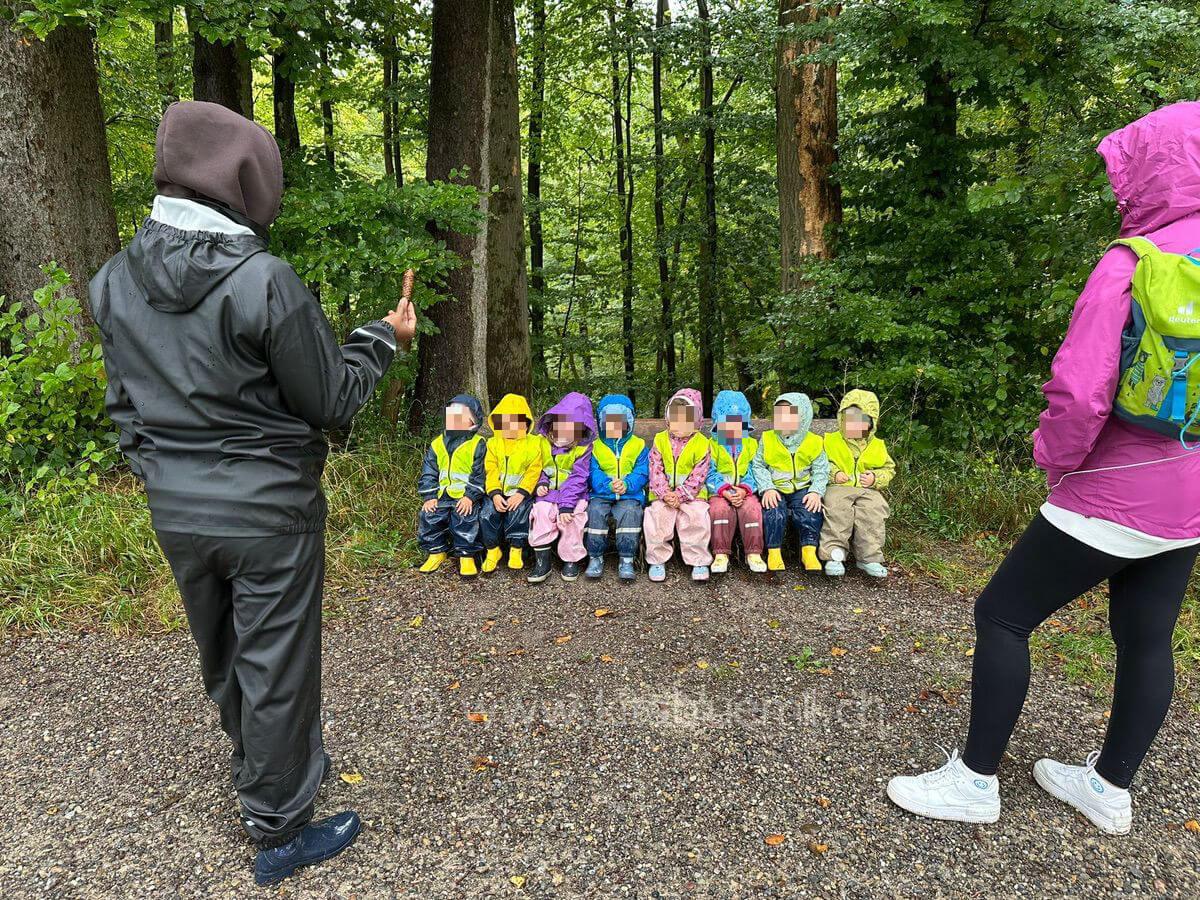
[802, 405]
[864, 400]
[615, 403]
[454, 438]
[692, 398]
[731, 403]
[511, 404]
[1154, 167]
[576, 407]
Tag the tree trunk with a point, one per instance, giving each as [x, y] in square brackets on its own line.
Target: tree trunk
[707, 268]
[666, 346]
[283, 99]
[386, 103]
[940, 126]
[810, 202]
[483, 340]
[537, 279]
[221, 71]
[54, 173]
[625, 196]
[326, 108]
[164, 59]
[397, 161]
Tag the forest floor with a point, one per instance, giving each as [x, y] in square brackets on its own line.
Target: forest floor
[724, 740]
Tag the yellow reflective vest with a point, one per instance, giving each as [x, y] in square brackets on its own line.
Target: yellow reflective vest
[723, 459]
[841, 457]
[454, 471]
[679, 468]
[557, 469]
[790, 471]
[617, 467]
[516, 463]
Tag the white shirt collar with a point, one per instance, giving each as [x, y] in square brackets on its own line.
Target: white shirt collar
[188, 215]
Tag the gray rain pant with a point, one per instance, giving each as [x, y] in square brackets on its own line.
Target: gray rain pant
[254, 608]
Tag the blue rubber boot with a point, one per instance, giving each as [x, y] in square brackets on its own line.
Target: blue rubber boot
[625, 570]
[316, 843]
[595, 567]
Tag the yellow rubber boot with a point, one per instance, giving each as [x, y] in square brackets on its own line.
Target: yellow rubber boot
[467, 567]
[492, 560]
[808, 556]
[432, 563]
[775, 559]
[515, 559]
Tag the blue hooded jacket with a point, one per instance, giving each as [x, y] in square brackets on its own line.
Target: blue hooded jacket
[726, 404]
[635, 481]
[427, 483]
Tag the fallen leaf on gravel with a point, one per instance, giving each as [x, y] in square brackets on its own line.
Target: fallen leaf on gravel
[774, 840]
[857, 610]
[800, 587]
[483, 762]
[455, 686]
[518, 881]
[701, 664]
[837, 651]
[517, 651]
[875, 648]
[910, 708]
[773, 623]
[604, 657]
[477, 717]
[416, 621]
[825, 671]
[352, 778]
[600, 612]
[488, 626]
[563, 639]
[817, 849]
[697, 619]
[823, 802]
[1192, 825]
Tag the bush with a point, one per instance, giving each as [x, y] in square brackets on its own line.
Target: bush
[52, 393]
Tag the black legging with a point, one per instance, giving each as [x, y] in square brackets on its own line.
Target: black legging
[1046, 570]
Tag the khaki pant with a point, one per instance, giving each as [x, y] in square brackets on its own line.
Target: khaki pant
[858, 514]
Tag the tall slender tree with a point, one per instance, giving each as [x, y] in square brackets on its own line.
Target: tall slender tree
[621, 126]
[221, 70]
[164, 58]
[806, 103]
[54, 170]
[283, 96]
[666, 341]
[707, 281]
[533, 190]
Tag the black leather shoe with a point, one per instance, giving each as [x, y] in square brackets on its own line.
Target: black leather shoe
[541, 566]
[316, 843]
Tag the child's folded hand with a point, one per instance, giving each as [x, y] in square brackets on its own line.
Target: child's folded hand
[866, 479]
[429, 505]
[812, 502]
[618, 486]
[770, 499]
[671, 498]
[542, 490]
[565, 519]
[514, 501]
[841, 478]
[464, 506]
[500, 502]
[736, 497]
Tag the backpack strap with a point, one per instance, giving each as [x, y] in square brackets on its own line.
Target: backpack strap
[1142, 246]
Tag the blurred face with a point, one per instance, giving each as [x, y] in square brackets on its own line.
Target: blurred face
[786, 419]
[565, 432]
[732, 428]
[614, 426]
[513, 426]
[458, 418]
[855, 423]
[681, 419]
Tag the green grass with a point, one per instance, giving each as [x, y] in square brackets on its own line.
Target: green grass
[87, 558]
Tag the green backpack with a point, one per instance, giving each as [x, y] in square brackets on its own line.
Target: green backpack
[1160, 382]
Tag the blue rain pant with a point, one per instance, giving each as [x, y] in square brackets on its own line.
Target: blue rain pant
[444, 530]
[511, 527]
[791, 509]
[626, 515]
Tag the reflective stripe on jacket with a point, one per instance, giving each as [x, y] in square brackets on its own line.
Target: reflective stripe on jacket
[455, 470]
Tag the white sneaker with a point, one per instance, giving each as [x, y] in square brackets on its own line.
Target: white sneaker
[1106, 805]
[837, 554]
[953, 793]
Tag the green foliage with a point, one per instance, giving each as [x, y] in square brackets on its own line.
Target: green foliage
[51, 393]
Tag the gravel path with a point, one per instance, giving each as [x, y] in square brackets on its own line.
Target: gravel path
[647, 752]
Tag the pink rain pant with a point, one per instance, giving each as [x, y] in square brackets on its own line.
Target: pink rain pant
[692, 522]
[544, 530]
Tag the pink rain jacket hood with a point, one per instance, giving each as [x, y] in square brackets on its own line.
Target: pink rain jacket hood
[1154, 167]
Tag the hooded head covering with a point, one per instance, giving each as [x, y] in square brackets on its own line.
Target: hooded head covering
[864, 400]
[206, 151]
[804, 407]
[510, 404]
[731, 403]
[692, 398]
[614, 404]
[1154, 167]
[454, 438]
[575, 407]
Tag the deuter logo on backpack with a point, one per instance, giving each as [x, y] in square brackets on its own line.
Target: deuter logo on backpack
[1184, 313]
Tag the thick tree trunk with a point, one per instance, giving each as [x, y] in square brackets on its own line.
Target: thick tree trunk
[483, 340]
[283, 100]
[164, 59]
[666, 346]
[625, 196]
[810, 203]
[54, 174]
[707, 264]
[221, 71]
[537, 278]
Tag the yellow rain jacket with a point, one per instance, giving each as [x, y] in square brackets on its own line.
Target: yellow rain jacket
[855, 457]
[514, 465]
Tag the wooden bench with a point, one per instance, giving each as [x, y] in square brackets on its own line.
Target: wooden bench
[647, 428]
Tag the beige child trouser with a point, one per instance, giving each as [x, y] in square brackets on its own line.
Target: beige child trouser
[858, 514]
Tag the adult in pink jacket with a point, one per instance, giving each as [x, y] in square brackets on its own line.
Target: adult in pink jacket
[1124, 506]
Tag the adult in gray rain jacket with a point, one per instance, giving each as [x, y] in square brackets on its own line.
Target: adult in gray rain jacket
[223, 372]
